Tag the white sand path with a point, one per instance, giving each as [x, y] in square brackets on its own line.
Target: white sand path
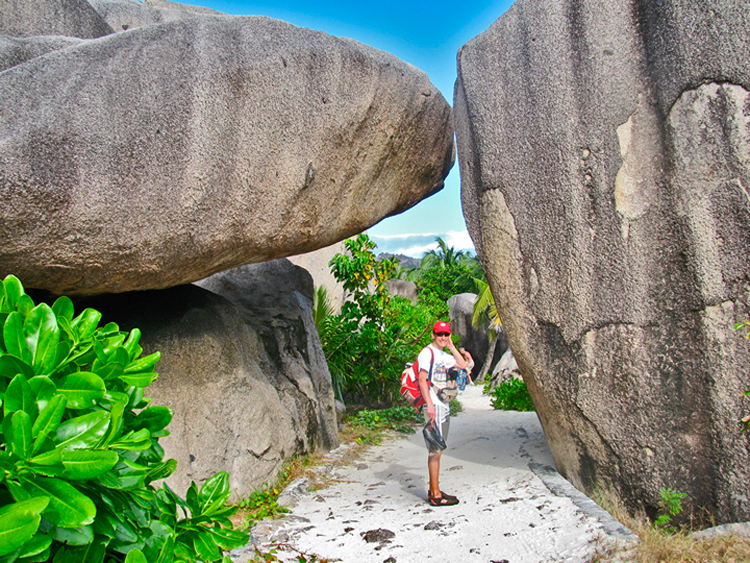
[514, 507]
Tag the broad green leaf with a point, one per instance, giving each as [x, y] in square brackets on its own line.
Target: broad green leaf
[206, 547]
[15, 344]
[85, 324]
[93, 552]
[83, 431]
[228, 539]
[115, 365]
[61, 354]
[154, 418]
[87, 464]
[35, 545]
[139, 440]
[131, 344]
[49, 459]
[42, 389]
[21, 434]
[135, 556]
[167, 551]
[48, 421]
[82, 535]
[162, 470]
[18, 397]
[19, 522]
[67, 329]
[41, 334]
[13, 291]
[10, 366]
[25, 305]
[82, 389]
[143, 364]
[140, 380]
[215, 488]
[125, 475]
[67, 508]
[116, 417]
[63, 308]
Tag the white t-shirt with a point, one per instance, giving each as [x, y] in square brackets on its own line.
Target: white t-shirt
[443, 362]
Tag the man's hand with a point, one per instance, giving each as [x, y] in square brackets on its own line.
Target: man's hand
[431, 411]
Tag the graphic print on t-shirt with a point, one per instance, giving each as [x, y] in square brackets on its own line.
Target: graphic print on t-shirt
[443, 362]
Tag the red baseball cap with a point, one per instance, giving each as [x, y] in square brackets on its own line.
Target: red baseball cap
[440, 326]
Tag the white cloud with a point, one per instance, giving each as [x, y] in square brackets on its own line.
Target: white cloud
[416, 244]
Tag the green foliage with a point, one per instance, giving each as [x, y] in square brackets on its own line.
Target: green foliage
[456, 407]
[744, 325]
[262, 504]
[322, 307]
[368, 343]
[394, 418]
[79, 447]
[511, 395]
[670, 505]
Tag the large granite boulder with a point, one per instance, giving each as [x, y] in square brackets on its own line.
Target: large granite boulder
[474, 339]
[248, 385]
[161, 155]
[605, 166]
[17, 50]
[122, 15]
[73, 18]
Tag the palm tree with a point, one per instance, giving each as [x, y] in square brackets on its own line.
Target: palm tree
[444, 256]
[322, 307]
[485, 311]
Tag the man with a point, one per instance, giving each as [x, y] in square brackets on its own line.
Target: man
[434, 364]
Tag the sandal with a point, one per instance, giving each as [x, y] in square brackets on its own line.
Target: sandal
[443, 500]
[449, 497]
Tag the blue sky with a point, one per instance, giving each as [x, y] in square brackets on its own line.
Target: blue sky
[425, 34]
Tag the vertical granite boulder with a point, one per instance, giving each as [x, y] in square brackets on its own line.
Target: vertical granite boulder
[605, 167]
[248, 385]
[160, 155]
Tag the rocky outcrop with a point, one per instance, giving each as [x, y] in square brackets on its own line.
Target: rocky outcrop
[161, 155]
[247, 381]
[604, 166]
[506, 369]
[73, 18]
[122, 15]
[475, 339]
[17, 50]
[403, 288]
[316, 262]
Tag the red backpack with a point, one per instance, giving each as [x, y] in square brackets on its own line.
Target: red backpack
[410, 383]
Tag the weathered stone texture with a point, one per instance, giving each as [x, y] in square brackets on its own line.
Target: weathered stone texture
[73, 18]
[161, 155]
[605, 164]
[122, 15]
[247, 381]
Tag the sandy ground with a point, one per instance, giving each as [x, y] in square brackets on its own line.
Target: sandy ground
[514, 507]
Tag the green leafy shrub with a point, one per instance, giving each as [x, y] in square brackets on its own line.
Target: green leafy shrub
[368, 343]
[670, 505]
[79, 447]
[394, 418]
[262, 504]
[511, 395]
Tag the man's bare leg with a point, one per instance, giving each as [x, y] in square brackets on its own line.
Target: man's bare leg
[433, 469]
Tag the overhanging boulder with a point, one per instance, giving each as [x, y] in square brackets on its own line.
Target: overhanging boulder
[161, 155]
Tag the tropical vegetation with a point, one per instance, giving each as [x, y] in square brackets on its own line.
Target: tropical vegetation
[79, 448]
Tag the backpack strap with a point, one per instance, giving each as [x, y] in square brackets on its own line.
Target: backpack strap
[432, 363]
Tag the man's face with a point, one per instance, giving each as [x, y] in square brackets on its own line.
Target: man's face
[442, 338]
